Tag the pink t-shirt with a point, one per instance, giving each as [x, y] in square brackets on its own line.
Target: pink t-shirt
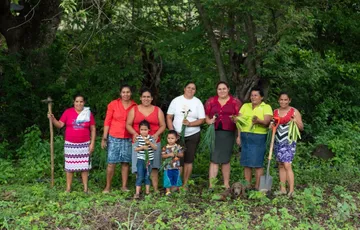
[76, 133]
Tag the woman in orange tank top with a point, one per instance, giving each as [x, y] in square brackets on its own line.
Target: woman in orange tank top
[154, 115]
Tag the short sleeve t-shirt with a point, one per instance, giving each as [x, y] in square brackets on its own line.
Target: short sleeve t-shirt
[180, 106]
[176, 149]
[259, 111]
[76, 132]
[140, 141]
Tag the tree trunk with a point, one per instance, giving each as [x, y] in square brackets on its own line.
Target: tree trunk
[34, 27]
[244, 84]
[212, 39]
[236, 59]
[152, 71]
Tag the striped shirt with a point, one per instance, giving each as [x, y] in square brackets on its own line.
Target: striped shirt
[140, 141]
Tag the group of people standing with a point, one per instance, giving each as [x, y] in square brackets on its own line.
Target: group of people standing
[132, 134]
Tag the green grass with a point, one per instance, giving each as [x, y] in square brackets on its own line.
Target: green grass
[327, 196]
[331, 203]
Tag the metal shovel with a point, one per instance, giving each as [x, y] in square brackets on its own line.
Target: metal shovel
[266, 180]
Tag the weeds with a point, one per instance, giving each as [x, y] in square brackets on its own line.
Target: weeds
[325, 198]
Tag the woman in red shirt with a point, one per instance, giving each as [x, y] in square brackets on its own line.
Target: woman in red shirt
[116, 138]
[154, 115]
[218, 110]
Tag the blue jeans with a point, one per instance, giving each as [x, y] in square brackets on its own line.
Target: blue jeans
[143, 172]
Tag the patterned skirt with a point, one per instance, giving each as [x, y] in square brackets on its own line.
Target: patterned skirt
[77, 156]
[284, 151]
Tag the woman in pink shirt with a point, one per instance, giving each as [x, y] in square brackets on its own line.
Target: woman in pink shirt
[80, 134]
[218, 110]
[116, 138]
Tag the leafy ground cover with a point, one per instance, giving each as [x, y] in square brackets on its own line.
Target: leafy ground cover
[326, 200]
[327, 195]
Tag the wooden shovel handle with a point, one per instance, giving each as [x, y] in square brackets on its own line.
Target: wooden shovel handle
[277, 122]
[51, 144]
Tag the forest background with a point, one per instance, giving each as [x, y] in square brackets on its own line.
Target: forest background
[309, 48]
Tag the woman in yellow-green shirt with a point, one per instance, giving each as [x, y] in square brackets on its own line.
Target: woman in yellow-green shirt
[253, 136]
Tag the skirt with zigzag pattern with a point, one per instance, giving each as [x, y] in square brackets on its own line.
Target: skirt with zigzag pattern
[77, 156]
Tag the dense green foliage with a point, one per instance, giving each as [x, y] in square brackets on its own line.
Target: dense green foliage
[312, 53]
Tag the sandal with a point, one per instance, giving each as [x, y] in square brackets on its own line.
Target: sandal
[291, 194]
[168, 194]
[125, 189]
[137, 196]
[280, 193]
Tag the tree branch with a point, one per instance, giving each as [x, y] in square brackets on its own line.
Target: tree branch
[33, 13]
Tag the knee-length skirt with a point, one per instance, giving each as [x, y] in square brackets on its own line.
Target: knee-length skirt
[253, 147]
[77, 156]
[224, 144]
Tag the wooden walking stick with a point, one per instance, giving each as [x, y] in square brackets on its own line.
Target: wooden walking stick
[49, 102]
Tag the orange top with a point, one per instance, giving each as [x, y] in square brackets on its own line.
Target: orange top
[116, 118]
[152, 118]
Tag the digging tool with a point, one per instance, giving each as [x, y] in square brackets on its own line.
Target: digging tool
[49, 102]
[266, 181]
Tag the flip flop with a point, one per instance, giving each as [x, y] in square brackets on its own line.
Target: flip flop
[291, 194]
[125, 190]
[279, 193]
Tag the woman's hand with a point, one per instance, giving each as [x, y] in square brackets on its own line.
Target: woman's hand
[186, 122]
[298, 120]
[155, 137]
[212, 120]
[256, 120]
[91, 148]
[271, 125]
[134, 137]
[51, 117]
[56, 123]
[233, 118]
[238, 141]
[103, 143]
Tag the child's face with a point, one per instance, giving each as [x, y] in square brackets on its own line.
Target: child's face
[144, 130]
[171, 139]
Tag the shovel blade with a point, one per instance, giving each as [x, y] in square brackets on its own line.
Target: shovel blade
[265, 183]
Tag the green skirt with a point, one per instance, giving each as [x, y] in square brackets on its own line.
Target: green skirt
[224, 143]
